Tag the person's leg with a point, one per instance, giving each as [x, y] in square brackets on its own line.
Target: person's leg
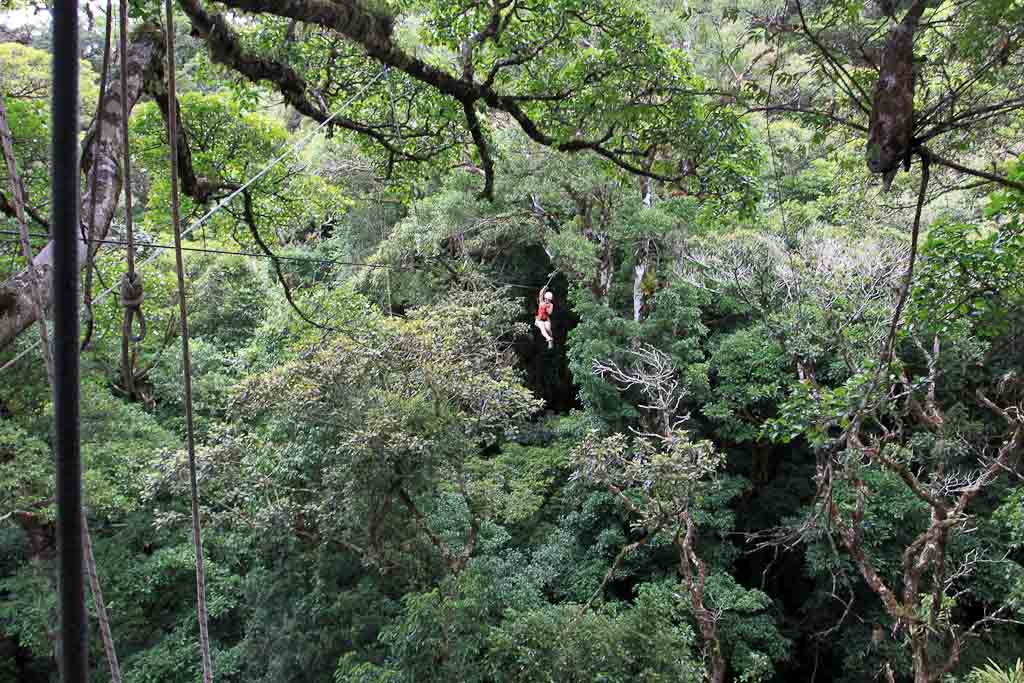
[545, 328]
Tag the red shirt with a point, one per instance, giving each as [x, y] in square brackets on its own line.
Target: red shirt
[544, 310]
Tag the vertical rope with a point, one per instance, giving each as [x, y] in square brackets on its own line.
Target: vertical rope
[908, 277]
[127, 163]
[131, 283]
[98, 122]
[186, 358]
[100, 604]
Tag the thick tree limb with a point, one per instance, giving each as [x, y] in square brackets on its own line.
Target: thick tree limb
[226, 48]
[490, 31]
[694, 571]
[199, 189]
[850, 536]
[373, 32]
[482, 147]
[101, 159]
[7, 208]
[992, 177]
[250, 221]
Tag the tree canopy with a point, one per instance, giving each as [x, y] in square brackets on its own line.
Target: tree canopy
[778, 436]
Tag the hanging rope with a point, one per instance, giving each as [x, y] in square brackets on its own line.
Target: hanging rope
[99, 603]
[186, 357]
[132, 296]
[131, 285]
[132, 293]
[90, 265]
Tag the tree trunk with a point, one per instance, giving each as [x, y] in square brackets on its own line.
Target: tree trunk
[605, 269]
[694, 573]
[643, 249]
[643, 262]
[101, 160]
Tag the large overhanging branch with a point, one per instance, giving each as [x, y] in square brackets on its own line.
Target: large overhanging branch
[226, 48]
[373, 32]
[476, 130]
[199, 189]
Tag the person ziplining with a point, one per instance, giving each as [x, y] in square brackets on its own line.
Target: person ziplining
[545, 307]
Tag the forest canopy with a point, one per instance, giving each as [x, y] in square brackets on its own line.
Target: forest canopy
[767, 425]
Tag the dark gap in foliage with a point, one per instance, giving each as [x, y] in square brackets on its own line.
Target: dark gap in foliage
[547, 370]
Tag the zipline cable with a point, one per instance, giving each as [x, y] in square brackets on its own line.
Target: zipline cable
[253, 254]
[186, 356]
[355, 264]
[228, 252]
[222, 203]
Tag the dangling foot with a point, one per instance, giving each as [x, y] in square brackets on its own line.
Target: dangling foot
[551, 343]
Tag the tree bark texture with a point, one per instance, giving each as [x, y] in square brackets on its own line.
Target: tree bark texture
[640, 268]
[643, 247]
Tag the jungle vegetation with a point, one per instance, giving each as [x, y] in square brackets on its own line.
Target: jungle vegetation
[778, 437]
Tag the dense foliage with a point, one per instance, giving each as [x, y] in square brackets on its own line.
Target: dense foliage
[763, 448]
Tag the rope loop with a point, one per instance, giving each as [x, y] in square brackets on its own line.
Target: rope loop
[132, 296]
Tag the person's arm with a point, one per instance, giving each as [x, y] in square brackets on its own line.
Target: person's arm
[540, 297]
